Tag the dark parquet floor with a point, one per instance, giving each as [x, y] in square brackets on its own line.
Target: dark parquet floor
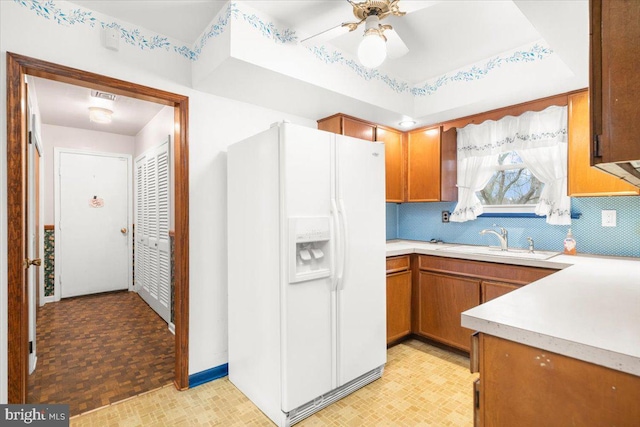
[98, 349]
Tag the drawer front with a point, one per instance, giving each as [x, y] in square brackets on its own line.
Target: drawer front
[483, 270]
[397, 264]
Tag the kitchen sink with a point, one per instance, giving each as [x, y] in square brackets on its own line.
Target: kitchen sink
[494, 251]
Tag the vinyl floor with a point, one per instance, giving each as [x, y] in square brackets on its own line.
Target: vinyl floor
[99, 349]
[422, 385]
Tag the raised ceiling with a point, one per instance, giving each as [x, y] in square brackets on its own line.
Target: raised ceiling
[443, 38]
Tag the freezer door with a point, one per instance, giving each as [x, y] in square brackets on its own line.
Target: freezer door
[361, 296]
[307, 365]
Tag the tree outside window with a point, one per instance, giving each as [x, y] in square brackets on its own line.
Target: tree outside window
[511, 184]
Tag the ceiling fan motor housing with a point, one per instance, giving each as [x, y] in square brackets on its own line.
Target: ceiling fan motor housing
[379, 8]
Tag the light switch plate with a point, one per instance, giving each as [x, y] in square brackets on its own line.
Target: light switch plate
[111, 38]
[608, 218]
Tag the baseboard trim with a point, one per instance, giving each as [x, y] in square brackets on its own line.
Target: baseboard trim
[46, 300]
[208, 375]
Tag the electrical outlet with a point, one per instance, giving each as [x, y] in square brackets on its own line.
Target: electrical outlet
[445, 216]
[608, 218]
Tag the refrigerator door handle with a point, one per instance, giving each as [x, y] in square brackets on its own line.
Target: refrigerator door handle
[345, 243]
[336, 245]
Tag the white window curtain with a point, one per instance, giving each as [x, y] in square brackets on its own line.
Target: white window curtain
[539, 138]
[473, 174]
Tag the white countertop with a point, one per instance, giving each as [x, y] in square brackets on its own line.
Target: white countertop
[589, 309]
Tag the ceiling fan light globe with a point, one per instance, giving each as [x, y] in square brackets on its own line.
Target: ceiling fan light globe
[372, 50]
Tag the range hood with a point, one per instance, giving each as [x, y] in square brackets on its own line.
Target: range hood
[628, 171]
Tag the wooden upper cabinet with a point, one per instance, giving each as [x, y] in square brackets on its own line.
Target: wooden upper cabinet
[583, 179]
[614, 83]
[358, 129]
[431, 165]
[421, 165]
[349, 126]
[394, 159]
[394, 162]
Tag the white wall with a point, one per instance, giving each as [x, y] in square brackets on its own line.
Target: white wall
[214, 123]
[77, 139]
[155, 132]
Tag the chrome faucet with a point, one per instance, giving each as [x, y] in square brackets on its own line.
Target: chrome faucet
[503, 236]
[530, 240]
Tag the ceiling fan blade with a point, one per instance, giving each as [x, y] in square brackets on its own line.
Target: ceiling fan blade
[325, 36]
[395, 46]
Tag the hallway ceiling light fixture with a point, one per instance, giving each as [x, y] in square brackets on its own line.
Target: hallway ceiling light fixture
[100, 115]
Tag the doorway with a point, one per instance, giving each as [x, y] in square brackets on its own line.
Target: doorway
[18, 67]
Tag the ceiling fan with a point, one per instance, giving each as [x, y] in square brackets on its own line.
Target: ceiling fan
[379, 40]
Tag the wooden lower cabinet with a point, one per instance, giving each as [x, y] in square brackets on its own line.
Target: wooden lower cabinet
[526, 386]
[491, 290]
[398, 298]
[398, 306]
[445, 287]
[427, 294]
[442, 298]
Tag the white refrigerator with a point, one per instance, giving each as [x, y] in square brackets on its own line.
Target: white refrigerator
[306, 268]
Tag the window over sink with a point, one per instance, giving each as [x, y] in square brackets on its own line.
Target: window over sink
[512, 188]
[515, 164]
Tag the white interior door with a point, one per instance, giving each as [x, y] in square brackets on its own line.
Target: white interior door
[153, 251]
[93, 252]
[362, 291]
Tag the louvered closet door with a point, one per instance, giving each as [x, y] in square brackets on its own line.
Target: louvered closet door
[138, 266]
[155, 284]
[164, 247]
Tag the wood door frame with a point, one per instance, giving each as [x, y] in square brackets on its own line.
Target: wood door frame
[18, 66]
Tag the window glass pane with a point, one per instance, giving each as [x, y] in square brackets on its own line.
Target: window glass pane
[511, 187]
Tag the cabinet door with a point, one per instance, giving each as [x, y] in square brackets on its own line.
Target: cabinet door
[585, 180]
[615, 54]
[393, 163]
[398, 305]
[358, 129]
[491, 290]
[442, 298]
[527, 386]
[449, 165]
[423, 165]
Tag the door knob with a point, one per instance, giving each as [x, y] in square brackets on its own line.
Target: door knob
[123, 230]
[28, 262]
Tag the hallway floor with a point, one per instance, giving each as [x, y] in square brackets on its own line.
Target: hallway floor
[98, 349]
[422, 385]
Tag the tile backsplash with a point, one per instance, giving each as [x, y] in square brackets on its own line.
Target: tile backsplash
[422, 221]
